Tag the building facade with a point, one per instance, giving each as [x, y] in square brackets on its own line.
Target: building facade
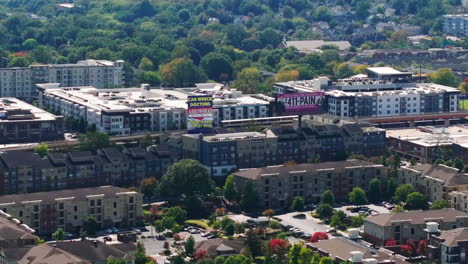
[136, 110]
[68, 209]
[456, 25]
[410, 225]
[277, 186]
[22, 122]
[383, 92]
[435, 181]
[20, 81]
[25, 172]
[227, 152]
[449, 246]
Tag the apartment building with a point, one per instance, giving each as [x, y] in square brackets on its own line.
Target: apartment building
[383, 92]
[277, 186]
[449, 246]
[14, 237]
[135, 110]
[20, 81]
[456, 25]
[410, 225]
[435, 181]
[67, 209]
[225, 152]
[22, 122]
[25, 172]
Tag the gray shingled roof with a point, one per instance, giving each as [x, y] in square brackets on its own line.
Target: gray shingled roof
[450, 176]
[416, 217]
[451, 237]
[257, 173]
[79, 194]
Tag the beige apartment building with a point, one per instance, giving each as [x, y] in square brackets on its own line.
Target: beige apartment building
[434, 181]
[67, 209]
[410, 224]
[277, 186]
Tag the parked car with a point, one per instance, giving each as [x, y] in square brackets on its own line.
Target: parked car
[107, 238]
[301, 215]
[194, 231]
[137, 231]
[331, 230]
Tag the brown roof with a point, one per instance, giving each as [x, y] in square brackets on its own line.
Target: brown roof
[449, 175]
[79, 194]
[281, 170]
[417, 217]
[451, 237]
[46, 253]
[341, 248]
[11, 231]
[92, 250]
[212, 245]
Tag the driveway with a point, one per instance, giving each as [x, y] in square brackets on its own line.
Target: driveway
[308, 225]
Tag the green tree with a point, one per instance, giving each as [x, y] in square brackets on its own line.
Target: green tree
[357, 221]
[253, 242]
[444, 76]
[324, 211]
[343, 70]
[392, 185]
[328, 197]
[230, 190]
[146, 64]
[217, 66]
[90, 225]
[116, 261]
[323, 13]
[229, 229]
[458, 163]
[237, 259]
[357, 196]
[402, 192]
[181, 72]
[29, 44]
[297, 204]
[440, 204]
[42, 149]
[19, 62]
[148, 187]
[326, 260]
[189, 246]
[177, 213]
[249, 199]
[92, 141]
[416, 200]
[338, 220]
[186, 178]
[295, 253]
[41, 54]
[374, 194]
[146, 141]
[183, 15]
[178, 260]
[248, 80]
[58, 235]
[153, 78]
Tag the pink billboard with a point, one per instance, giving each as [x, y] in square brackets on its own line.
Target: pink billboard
[300, 103]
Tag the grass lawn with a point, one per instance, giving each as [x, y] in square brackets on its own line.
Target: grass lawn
[464, 104]
[201, 223]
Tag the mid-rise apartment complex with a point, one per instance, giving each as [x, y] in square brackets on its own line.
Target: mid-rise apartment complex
[22, 122]
[227, 152]
[383, 92]
[67, 209]
[134, 110]
[21, 81]
[277, 186]
[24, 172]
[456, 25]
[410, 225]
[449, 246]
[435, 181]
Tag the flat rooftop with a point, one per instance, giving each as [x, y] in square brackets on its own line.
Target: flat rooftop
[15, 110]
[432, 136]
[386, 71]
[415, 88]
[144, 100]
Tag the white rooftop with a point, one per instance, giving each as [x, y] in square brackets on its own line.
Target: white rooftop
[384, 70]
[8, 104]
[432, 136]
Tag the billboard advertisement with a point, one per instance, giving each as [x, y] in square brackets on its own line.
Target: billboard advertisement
[200, 113]
[300, 103]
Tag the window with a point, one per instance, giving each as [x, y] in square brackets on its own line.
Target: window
[115, 204]
[20, 213]
[75, 208]
[412, 231]
[91, 203]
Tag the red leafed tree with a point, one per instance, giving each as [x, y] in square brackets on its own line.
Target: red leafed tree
[318, 236]
[422, 247]
[406, 249]
[278, 246]
[200, 254]
[391, 242]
